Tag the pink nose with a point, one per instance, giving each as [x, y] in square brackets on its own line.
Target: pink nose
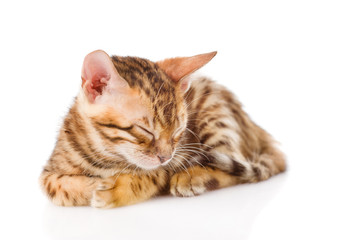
[163, 159]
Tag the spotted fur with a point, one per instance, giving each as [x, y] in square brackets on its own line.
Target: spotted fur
[162, 132]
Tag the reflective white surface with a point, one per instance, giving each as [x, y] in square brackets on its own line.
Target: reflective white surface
[223, 214]
[204, 217]
[286, 61]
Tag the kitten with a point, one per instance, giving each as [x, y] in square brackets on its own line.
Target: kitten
[139, 129]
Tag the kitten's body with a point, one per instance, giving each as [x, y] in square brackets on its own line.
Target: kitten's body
[219, 145]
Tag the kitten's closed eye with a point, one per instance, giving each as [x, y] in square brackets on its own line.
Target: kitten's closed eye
[111, 125]
[147, 133]
[142, 134]
[177, 134]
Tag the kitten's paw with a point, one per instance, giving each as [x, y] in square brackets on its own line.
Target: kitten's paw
[188, 184]
[103, 195]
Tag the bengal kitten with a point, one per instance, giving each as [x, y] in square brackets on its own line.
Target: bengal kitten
[139, 129]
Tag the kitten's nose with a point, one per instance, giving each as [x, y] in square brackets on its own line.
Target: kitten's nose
[163, 158]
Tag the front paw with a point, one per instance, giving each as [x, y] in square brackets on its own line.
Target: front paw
[104, 194]
[187, 184]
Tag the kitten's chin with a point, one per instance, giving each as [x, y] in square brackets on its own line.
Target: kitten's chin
[147, 163]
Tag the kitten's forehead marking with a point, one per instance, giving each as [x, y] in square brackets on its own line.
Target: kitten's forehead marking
[145, 120]
[154, 83]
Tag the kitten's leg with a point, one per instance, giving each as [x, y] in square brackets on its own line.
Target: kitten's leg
[260, 167]
[274, 159]
[127, 189]
[197, 180]
[68, 190]
[269, 163]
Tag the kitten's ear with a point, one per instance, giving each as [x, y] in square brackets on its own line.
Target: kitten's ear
[180, 67]
[99, 76]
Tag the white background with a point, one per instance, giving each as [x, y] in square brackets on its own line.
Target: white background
[285, 60]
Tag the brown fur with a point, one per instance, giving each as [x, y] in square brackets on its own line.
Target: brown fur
[218, 146]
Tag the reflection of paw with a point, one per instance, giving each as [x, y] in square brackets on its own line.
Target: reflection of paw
[188, 185]
[104, 194]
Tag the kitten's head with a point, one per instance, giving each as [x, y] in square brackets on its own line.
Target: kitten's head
[136, 107]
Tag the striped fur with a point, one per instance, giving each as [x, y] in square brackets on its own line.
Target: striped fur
[107, 154]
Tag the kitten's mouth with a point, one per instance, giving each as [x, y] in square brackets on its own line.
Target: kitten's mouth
[152, 162]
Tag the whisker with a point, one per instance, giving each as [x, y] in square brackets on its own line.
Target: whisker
[179, 155]
[159, 90]
[188, 144]
[193, 148]
[197, 98]
[122, 171]
[194, 159]
[194, 134]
